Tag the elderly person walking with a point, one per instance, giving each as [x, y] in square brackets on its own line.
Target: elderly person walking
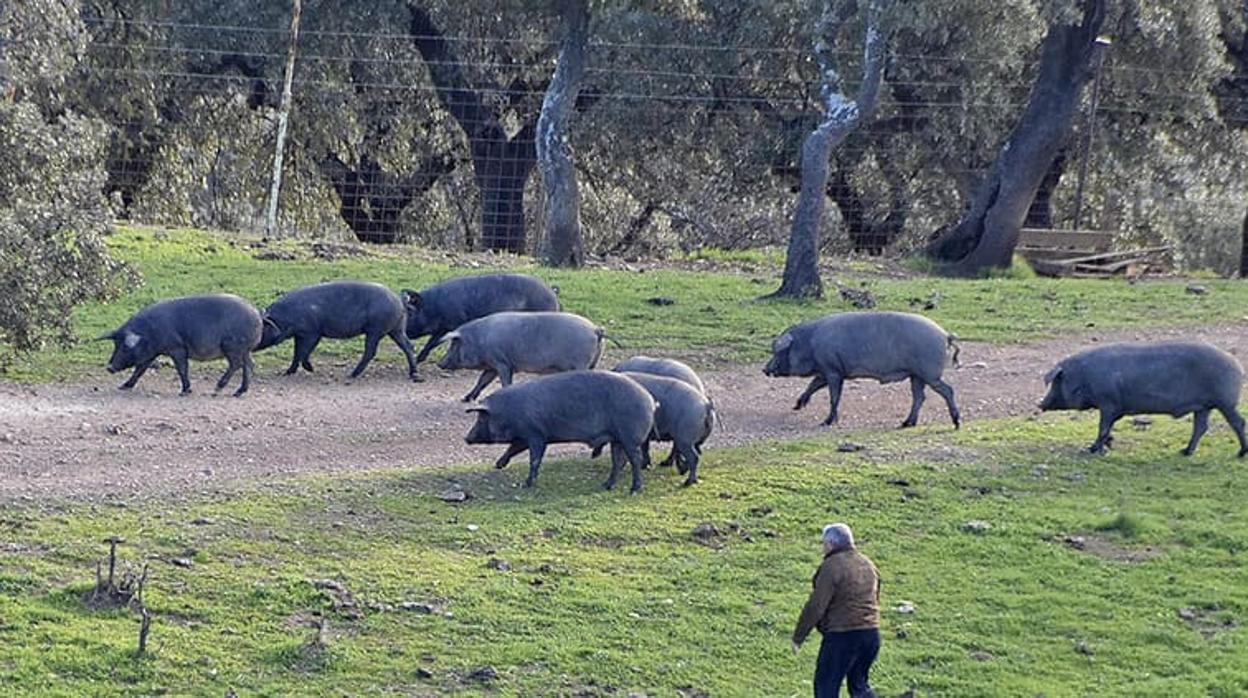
[845, 606]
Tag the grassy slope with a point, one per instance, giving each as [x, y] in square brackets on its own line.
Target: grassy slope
[610, 591]
[716, 316]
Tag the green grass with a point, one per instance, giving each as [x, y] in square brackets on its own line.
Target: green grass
[607, 592]
[717, 316]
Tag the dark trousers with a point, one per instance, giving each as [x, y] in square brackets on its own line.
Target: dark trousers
[846, 655]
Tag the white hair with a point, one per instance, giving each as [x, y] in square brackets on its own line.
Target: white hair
[838, 536]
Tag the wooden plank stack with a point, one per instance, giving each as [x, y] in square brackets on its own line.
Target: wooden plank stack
[1084, 253]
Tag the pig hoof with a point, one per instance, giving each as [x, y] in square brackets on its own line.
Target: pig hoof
[634, 491]
[1186, 451]
[690, 481]
[528, 484]
[500, 464]
[292, 371]
[608, 486]
[798, 406]
[907, 424]
[1242, 452]
[416, 377]
[185, 392]
[125, 386]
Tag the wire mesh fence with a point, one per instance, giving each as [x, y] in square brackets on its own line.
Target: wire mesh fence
[425, 133]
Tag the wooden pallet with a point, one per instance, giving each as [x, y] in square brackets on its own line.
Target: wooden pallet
[1083, 253]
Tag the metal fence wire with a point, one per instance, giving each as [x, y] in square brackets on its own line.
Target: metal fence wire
[296, 126]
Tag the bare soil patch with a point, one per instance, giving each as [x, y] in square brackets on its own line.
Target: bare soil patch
[90, 441]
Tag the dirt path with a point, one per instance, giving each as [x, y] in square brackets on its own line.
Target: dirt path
[92, 442]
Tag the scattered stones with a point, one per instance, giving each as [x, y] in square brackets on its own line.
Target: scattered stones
[454, 496]
[204, 521]
[905, 608]
[473, 528]
[184, 563]
[705, 531]
[760, 511]
[1187, 614]
[900, 482]
[114, 429]
[276, 255]
[850, 447]
[859, 298]
[418, 607]
[1085, 649]
[661, 300]
[768, 533]
[976, 526]
[1076, 542]
[483, 674]
[423, 673]
[1196, 289]
[1141, 423]
[499, 564]
[982, 656]
[330, 585]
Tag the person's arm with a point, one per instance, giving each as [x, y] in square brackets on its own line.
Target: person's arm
[816, 606]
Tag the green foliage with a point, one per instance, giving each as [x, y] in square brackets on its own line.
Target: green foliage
[716, 317]
[603, 592]
[52, 217]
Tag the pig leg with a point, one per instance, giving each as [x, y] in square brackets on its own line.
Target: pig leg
[1103, 438]
[248, 367]
[834, 395]
[1237, 423]
[945, 390]
[504, 374]
[916, 402]
[433, 342]
[304, 346]
[400, 338]
[182, 363]
[597, 451]
[645, 455]
[303, 349]
[370, 350]
[233, 366]
[617, 462]
[816, 384]
[139, 370]
[690, 456]
[513, 449]
[635, 458]
[483, 380]
[537, 449]
[1200, 424]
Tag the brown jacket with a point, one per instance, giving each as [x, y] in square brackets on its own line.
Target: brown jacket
[846, 596]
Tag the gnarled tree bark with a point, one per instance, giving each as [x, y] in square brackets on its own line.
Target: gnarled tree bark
[501, 165]
[987, 234]
[562, 245]
[841, 116]
[372, 200]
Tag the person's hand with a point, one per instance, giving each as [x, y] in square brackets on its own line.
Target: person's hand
[796, 647]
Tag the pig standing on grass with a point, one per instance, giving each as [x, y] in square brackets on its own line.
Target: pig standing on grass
[338, 310]
[684, 416]
[1173, 378]
[886, 346]
[195, 327]
[502, 344]
[439, 309]
[590, 407]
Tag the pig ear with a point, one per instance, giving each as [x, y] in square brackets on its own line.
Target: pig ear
[1052, 375]
[269, 321]
[132, 340]
[783, 342]
[412, 299]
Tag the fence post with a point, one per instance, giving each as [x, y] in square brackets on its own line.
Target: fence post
[1100, 47]
[283, 117]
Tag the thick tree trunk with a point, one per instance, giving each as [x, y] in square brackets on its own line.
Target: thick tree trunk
[841, 117]
[1243, 249]
[371, 200]
[988, 232]
[563, 246]
[501, 165]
